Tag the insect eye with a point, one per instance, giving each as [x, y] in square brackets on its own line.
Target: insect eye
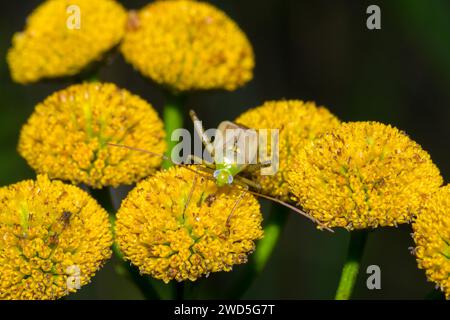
[230, 179]
[216, 173]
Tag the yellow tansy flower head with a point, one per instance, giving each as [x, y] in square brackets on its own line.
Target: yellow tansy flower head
[188, 45]
[363, 174]
[56, 43]
[298, 122]
[53, 238]
[432, 237]
[67, 136]
[178, 225]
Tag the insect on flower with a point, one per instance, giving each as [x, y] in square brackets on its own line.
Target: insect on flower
[233, 155]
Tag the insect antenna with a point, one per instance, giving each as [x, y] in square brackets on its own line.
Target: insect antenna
[287, 205]
[164, 157]
[140, 150]
[234, 207]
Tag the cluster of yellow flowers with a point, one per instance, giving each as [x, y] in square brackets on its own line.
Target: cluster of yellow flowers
[53, 238]
[182, 44]
[177, 225]
[188, 45]
[194, 227]
[67, 136]
[51, 47]
[358, 175]
[432, 237]
[363, 174]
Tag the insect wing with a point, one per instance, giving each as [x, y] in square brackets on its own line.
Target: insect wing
[236, 144]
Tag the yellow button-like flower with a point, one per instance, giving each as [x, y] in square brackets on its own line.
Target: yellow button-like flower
[62, 37]
[53, 238]
[432, 237]
[67, 136]
[363, 174]
[298, 123]
[180, 225]
[188, 45]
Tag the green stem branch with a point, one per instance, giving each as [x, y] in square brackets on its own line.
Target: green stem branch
[272, 231]
[352, 264]
[173, 119]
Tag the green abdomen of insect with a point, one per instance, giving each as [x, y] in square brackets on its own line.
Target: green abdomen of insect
[225, 172]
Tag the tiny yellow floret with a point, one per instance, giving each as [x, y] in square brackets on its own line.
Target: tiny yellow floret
[188, 45]
[53, 239]
[432, 238]
[361, 175]
[177, 225]
[68, 136]
[298, 123]
[63, 37]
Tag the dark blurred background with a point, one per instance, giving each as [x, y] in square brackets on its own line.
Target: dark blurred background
[312, 50]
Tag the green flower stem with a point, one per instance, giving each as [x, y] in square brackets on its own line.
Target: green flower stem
[103, 197]
[272, 230]
[352, 264]
[173, 119]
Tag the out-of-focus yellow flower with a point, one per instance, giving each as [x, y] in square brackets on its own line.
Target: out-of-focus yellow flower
[188, 45]
[363, 174]
[298, 123]
[53, 46]
[432, 237]
[53, 238]
[170, 237]
[67, 136]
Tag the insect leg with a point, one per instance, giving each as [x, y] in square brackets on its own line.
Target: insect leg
[254, 167]
[201, 172]
[287, 205]
[197, 160]
[244, 191]
[191, 192]
[247, 182]
[138, 149]
[201, 132]
[208, 169]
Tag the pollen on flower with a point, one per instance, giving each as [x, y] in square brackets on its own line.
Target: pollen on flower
[53, 45]
[361, 175]
[177, 225]
[67, 136]
[188, 45]
[432, 237]
[298, 122]
[53, 238]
